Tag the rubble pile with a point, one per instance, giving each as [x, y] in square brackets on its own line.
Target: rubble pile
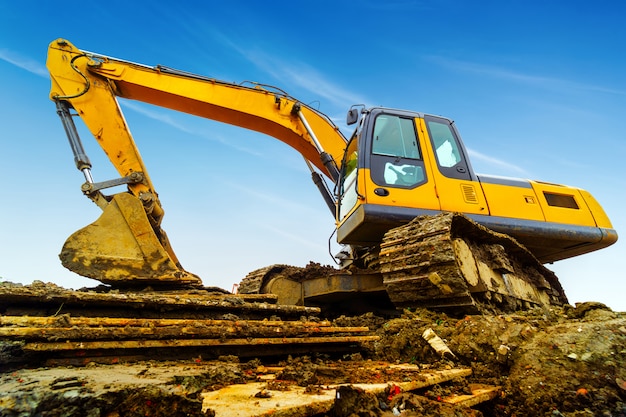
[564, 361]
[42, 324]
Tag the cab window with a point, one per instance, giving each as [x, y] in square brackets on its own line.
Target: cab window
[446, 148]
[394, 136]
[348, 188]
[396, 157]
[448, 153]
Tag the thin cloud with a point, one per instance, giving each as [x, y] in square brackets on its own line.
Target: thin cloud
[301, 240]
[23, 62]
[307, 78]
[507, 74]
[295, 73]
[401, 6]
[496, 162]
[167, 119]
[272, 200]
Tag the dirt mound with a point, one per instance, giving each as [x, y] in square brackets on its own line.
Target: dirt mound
[564, 361]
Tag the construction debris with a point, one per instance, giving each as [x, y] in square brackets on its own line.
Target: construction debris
[297, 401]
[45, 324]
[182, 357]
[437, 343]
[219, 388]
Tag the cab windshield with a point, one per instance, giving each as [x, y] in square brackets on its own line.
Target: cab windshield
[396, 158]
[394, 136]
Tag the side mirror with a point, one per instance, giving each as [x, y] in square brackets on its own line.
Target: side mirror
[353, 116]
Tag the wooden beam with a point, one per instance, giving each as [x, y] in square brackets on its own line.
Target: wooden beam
[168, 332]
[29, 321]
[142, 344]
[296, 403]
[155, 300]
[480, 393]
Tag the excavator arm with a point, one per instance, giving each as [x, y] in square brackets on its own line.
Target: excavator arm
[126, 245]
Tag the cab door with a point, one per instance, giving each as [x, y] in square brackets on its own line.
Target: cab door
[457, 187]
[398, 174]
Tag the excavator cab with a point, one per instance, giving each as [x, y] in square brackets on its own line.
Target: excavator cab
[385, 177]
[400, 165]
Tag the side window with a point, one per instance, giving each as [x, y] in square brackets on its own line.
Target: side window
[350, 162]
[396, 158]
[448, 153]
[348, 194]
[446, 148]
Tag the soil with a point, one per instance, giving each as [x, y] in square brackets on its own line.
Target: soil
[565, 361]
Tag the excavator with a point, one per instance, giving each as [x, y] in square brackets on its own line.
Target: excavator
[418, 227]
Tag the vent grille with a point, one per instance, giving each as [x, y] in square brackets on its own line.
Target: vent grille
[469, 194]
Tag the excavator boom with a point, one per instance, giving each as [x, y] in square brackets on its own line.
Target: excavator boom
[90, 84]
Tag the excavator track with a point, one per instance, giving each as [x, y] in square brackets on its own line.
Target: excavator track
[253, 282]
[444, 262]
[449, 261]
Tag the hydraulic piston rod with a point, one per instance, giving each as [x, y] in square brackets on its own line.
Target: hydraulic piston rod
[80, 157]
[327, 159]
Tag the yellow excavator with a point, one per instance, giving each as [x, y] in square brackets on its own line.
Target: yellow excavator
[417, 225]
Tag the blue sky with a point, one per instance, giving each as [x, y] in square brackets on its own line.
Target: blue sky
[537, 90]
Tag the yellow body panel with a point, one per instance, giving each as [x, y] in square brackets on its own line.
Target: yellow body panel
[424, 196]
[562, 204]
[510, 201]
[602, 220]
[454, 195]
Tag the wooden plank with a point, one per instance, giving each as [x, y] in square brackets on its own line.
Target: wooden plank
[427, 379]
[14, 295]
[28, 321]
[293, 403]
[142, 344]
[169, 332]
[480, 393]
[297, 403]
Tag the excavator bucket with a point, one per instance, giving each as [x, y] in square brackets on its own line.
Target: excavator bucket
[122, 249]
